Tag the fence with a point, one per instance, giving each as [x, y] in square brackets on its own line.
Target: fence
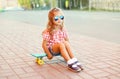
[113, 5]
[105, 4]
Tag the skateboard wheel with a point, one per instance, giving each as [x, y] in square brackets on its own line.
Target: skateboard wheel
[40, 62]
[37, 60]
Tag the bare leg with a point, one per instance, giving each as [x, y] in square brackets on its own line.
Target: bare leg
[60, 47]
[67, 45]
[64, 49]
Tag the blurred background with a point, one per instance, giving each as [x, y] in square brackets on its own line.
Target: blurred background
[94, 18]
[109, 5]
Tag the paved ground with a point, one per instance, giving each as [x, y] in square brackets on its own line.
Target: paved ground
[18, 39]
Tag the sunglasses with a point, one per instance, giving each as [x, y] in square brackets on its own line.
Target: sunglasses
[57, 17]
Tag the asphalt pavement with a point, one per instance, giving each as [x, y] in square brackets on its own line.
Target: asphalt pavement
[100, 25]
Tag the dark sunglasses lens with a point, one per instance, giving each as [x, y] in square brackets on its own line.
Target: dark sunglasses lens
[56, 18]
[61, 17]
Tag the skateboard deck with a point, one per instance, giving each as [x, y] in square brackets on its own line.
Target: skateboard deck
[39, 57]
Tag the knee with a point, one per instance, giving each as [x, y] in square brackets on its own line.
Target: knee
[62, 45]
[66, 43]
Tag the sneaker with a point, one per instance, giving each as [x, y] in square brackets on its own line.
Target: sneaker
[79, 65]
[73, 67]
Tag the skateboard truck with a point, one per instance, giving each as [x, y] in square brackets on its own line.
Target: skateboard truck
[39, 57]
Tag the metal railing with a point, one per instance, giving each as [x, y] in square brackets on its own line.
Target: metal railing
[113, 5]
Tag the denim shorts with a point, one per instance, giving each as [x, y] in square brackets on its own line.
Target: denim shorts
[53, 53]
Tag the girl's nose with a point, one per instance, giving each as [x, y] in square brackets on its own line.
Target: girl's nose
[59, 20]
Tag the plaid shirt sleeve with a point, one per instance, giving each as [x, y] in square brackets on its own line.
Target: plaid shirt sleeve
[46, 36]
[65, 34]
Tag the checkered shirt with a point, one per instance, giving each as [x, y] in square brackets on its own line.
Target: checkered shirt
[58, 37]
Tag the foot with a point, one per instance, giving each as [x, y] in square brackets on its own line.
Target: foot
[79, 65]
[73, 67]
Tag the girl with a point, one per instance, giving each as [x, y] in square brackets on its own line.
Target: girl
[55, 40]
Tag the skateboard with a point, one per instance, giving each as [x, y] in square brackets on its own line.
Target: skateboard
[39, 57]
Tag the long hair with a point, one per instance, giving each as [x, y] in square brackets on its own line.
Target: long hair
[51, 14]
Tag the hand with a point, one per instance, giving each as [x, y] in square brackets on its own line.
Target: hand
[49, 56]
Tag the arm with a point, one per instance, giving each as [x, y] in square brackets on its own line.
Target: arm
[65, 34]
[67, 39]
[44, 46]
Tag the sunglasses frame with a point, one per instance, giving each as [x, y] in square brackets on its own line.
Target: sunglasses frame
[57, 17]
